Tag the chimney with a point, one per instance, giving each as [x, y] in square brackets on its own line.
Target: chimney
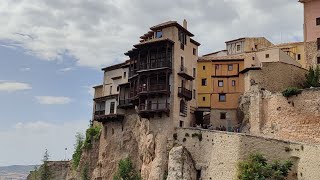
[185, 24]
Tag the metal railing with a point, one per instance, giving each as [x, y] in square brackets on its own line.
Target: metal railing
[156, 64]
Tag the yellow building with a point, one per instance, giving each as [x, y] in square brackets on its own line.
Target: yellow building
[220, 84]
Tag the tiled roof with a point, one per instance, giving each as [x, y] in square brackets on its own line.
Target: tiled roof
[228, 57]
[171, 23]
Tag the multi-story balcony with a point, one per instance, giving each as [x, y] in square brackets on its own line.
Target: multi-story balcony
[184, 73]
[154, 107]
[184, 93]
[154, 65]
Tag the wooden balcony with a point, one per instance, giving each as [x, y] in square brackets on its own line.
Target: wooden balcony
[154, 108]
[108, 118]
[154, 65]
[184, 93]
[156, 88]
[125, 103]
[184, 73]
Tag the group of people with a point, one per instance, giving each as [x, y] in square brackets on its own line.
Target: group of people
[220, 128]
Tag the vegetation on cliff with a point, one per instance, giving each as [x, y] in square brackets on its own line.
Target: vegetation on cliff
[126, 171]
[291, 91]
[256, 167]
[92, 133]
[313, 77]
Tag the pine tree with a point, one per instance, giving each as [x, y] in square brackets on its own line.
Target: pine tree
[313, 77]
[45, 173]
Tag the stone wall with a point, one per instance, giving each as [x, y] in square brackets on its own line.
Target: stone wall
[217, 153]
[275, 76]
[311, 53]
[296, 118]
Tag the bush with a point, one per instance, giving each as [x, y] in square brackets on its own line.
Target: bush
[85, 172]
[312, 77]
[126, 171]
[291, 91]
[92, 133]
[256, 167]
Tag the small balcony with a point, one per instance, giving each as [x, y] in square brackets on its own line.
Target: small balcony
[184, 73]
[151, 108]
[184, 93]
[100, 116]
[125, 103]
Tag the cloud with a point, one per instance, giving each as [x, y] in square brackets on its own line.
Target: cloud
[50, 100]
[25, 142]
[66, 69]
[10, 86]
[25, 69]
[97, 33]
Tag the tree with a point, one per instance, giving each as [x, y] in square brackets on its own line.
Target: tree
[126, 171]
[256, 167]
[45, 173]
[77, 152]
[313, 77]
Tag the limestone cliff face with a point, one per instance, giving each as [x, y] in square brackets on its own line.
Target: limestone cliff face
[134, 137]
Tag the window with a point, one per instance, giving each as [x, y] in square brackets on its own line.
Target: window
[110, 90]
[181, 123]
[233, 82]
[124, 74]
[267, 55]
[217, 66]
[203, 67]
[318, 42]
[203, 98]
[182, 63]
[194, 51]
[112, 104]
[318, 21]
[299, 56]
[230, 67]
[118, 88]
[252, 58]
[159, 34]
[238, 47]
[194, 72]
[203, 82]
[318, 60]
[222, 97]
[256, 47]
[223, 115]
[182, 106]
[194, 94]
[220, 83]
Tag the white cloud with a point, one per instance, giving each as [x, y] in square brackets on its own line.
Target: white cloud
[66, 69]
[25, 69]
[97, 33]
[25, 142]
[11, 86]
[53, 100]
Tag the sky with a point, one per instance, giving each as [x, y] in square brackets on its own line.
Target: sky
[52, 52]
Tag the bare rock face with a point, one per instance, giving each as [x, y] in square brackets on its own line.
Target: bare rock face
[181, 165]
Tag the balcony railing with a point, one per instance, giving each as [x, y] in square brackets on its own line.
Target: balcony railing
[97, 113]
[154, 65]
[184, 93]
[154, 107]
[152, 88]
[184, 73]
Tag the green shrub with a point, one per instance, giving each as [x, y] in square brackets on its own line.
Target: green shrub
[92, 133]
[126, 171]
[291, 91]
[312, 78]
[85, 172]
[256, 167]
[77, 152]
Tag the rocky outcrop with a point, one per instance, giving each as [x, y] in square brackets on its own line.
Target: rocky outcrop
[181, 165]
[58, 170]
